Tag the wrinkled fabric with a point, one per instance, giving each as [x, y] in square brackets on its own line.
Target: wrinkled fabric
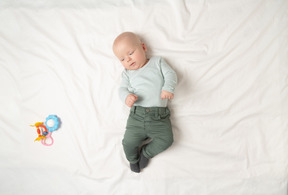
[229, 114]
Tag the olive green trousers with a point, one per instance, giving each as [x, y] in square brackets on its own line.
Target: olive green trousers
[144, 123]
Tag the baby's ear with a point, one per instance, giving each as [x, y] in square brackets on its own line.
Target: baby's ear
[144, 46]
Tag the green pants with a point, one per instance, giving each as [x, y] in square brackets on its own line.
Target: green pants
[144, 123]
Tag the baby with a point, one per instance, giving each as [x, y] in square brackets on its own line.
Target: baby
[146, 87]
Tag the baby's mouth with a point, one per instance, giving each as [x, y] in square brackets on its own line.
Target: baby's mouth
[132, 64]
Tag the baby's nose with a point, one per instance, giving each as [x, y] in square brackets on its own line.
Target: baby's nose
[128, 59]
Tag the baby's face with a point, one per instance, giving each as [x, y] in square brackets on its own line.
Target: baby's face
[131, 54]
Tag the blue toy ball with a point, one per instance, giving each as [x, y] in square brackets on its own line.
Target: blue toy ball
[55, 120]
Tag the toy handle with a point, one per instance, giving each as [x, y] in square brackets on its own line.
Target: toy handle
[43, 141]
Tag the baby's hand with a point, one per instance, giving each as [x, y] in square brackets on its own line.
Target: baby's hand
[167, 95]
[130, 100]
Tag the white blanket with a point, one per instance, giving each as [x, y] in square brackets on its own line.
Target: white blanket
[229, 115]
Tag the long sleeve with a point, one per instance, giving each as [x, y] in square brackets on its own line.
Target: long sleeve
[170, 77]
[123, 89]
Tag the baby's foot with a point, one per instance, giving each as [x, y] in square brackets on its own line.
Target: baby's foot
[143, 162]
[135, 167]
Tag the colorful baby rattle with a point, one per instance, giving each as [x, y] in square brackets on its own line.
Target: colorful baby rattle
[52, 123]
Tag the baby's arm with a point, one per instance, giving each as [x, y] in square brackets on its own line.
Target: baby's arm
[125, 95]
[170, 80]
[123, 90]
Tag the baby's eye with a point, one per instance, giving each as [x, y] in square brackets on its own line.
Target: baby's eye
[122, 59]
[131, 53]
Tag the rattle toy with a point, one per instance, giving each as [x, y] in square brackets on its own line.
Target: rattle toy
[44, 131]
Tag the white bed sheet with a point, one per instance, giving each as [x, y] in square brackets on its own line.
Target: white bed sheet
[229, 114]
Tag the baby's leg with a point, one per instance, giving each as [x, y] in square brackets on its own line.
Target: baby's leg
[143, 161]
[162, 137]
[131, 143]
[133, 138]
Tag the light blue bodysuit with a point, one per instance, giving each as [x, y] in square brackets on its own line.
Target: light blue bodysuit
[148, 82]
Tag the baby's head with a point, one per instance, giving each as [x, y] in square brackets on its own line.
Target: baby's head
[131, 52]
